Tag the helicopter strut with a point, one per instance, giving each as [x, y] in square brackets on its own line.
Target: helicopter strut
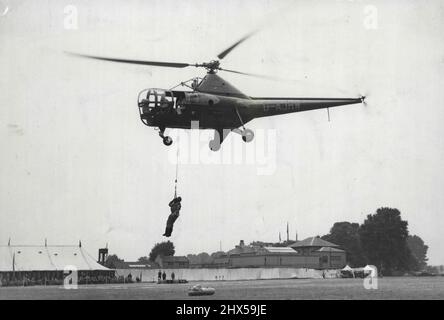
[247, 134]
[166, 139]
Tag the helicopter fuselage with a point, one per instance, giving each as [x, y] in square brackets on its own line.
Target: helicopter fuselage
[186, 110]
[216, 104]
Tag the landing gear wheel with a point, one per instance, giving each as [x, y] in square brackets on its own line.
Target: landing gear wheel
[214, 145]
[247, 135]
[167, 141]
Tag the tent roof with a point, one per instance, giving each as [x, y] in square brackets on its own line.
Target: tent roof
[5, 259]
[46, 258]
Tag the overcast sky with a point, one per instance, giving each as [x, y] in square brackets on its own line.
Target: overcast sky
[77, 163]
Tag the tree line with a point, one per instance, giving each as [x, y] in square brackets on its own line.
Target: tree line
[382, 240]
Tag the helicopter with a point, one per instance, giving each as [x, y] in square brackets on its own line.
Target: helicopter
[213, 103]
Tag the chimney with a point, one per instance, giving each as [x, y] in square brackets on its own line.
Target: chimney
[241, 243]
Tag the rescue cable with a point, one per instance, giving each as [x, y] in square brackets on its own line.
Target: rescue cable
[175, 203]
[177, 168]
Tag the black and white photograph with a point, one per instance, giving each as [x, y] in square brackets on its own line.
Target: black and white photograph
[236, 150]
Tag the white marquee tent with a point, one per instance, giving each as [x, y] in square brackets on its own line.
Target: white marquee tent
[46, 258]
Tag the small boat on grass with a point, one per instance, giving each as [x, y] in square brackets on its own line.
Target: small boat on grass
[198, 290]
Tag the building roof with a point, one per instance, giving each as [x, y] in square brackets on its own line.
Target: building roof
[136, 265]
[221, 260]
[280, 250]
[238, 251]
[329, 249]
[313, 242]
[242, 250]
[46, 258]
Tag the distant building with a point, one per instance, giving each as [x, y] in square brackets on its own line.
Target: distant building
[331, 258]
[267, 257]
[243, 249]
[261, 244]
[171, 262]
[313, 253]
[136, 265]
[311, 244]
[330, 255]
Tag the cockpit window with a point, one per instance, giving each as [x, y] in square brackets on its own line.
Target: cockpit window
[151, 99]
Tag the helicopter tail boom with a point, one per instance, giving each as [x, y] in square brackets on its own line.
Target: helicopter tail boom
[264, 107]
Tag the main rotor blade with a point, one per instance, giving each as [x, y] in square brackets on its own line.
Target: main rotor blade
[254, 75]
[227, 51]
[139, 62]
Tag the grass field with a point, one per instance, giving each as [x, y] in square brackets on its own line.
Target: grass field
[388, 288]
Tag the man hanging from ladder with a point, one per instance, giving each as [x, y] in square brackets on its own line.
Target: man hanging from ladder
[175, 205]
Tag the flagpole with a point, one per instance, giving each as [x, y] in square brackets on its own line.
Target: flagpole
[288, 236]
[13, 266]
